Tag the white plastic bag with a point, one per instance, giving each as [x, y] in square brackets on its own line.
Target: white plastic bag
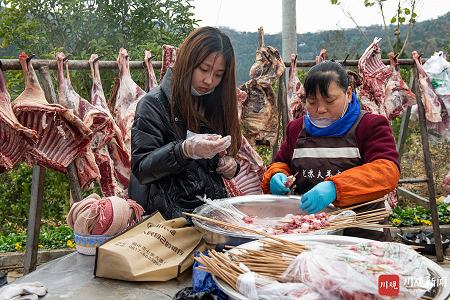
[438, 70]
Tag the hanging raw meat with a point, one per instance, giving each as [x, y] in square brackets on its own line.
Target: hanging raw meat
[62, 135]
[150, 78]
[168, 58]
[259, 114]
[15, 139]
[398, 95]
[375, 75]
[248, 180]
[127, 97]
[268, 66]
[93, 119]
[429, 98]
[354, 81]
[114, 174]
[296, 92]
[321, 57]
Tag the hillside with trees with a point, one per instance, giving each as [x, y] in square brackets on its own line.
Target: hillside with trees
[426, 37]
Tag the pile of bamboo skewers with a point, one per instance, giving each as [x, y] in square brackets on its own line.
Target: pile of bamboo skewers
[274, 256]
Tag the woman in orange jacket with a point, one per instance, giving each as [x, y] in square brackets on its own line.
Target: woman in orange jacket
[342, 154]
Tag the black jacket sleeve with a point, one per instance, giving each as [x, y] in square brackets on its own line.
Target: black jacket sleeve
[155, 152]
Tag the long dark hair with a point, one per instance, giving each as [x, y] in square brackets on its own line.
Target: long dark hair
[221, 111]
[322, 75]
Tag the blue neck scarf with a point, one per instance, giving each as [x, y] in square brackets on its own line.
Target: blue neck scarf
[341, 126]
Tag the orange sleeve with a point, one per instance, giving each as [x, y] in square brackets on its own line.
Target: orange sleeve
[364, 183]
[277, 167]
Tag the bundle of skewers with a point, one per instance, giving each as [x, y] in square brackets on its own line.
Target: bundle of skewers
[278, 261]
[225, 212]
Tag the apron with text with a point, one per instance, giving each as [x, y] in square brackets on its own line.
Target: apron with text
[316, 158]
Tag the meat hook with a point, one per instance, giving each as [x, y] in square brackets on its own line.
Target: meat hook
[98, 58]
[30, 57]
[144, 65]
[396, 55]
[345, 59]
[420, 55]
[67, 57]
[126, 56]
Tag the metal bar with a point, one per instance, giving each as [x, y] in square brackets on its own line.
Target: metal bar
[13, 64]
[282, 92]
[428, 169]
[413, 197]
[413, 180]
[34, 219]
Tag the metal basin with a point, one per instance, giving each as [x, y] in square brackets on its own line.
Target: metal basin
[253, 205]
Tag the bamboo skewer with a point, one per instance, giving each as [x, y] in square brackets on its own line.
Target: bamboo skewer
[355, 206]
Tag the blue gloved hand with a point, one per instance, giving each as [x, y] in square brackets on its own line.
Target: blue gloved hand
[318, 197]
[277, 186]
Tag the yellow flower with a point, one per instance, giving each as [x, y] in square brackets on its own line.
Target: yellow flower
[396, 222]
[40, 246]
[70, 244]
[18, 247]
[60, 242]
[416, 219]
[439, 199]
[426, 222]
[446, 220]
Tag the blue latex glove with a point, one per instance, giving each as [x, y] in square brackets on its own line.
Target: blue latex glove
[277, 186]
[318, 197]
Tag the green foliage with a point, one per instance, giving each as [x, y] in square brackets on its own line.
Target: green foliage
[83, 27]
[15, 197]
[50, 237]
[418, 215]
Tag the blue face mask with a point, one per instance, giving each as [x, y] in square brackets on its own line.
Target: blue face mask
[195, 93]
[324, 122]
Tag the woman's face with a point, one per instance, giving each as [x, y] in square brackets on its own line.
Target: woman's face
[209, 73]
[331, 107]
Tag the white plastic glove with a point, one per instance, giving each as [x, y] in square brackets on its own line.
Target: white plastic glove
[205, 145]
[227, 166]
[31, 290]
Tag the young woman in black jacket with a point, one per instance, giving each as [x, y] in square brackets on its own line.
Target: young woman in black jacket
[186, 133]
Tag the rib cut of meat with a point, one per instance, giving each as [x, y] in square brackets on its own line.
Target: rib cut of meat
[150, 77]
[15, 139]
[94, 119]
[110, 171]
[321, 57]
[168, 58]
[268, 66]
[62, 135]
[429, 98]
[398, 95]
[296, 92]
[128, 96]
[248, 180]
[375, 75]
[259, 114]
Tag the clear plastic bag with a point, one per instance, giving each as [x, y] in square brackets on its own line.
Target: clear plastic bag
[257, 287]
[340, 272]
[438, 70]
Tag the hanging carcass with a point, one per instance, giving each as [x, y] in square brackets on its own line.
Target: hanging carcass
[127, 97]
[259, 113]
[62, 135]
[398, 95]
[296, 92]
[168, 58]
[15, 139]
[112, 158]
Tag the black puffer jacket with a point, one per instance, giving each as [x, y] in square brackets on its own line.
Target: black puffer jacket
[162, 179]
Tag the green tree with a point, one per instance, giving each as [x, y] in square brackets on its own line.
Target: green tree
[79, 27]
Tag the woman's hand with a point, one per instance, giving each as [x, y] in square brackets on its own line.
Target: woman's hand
[205, 145]
[278, 184]
[318, 197]
[227, 166]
